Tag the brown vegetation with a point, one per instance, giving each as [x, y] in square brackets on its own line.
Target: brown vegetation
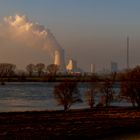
[107, 90]
[40, 67]
[130, 85]
[66, 94]
[52, 69]
[30, 69]
[100, 123]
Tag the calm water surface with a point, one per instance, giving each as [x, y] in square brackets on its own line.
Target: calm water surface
[34, 96]
[39, 96]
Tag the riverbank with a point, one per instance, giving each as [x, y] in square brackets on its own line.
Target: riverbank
[48, 78]
[75, 124]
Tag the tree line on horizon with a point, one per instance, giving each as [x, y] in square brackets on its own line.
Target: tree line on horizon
[7, 69]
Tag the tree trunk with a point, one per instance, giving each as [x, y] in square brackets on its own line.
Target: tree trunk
[65, 107]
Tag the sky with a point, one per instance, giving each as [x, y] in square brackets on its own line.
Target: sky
[90, 31]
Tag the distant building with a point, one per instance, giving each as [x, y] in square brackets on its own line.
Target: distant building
[114, 67]
[92, 68]
[72, 66]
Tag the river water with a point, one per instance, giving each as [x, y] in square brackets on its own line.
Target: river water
[31, 96]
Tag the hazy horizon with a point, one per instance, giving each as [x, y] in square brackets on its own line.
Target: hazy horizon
[91, 31]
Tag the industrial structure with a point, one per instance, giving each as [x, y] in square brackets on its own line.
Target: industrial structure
[127, 55]
[72, 66]
[92, 68]
[59, 59]
[114, 67]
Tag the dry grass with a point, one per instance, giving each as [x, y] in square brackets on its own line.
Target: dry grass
[74, 124]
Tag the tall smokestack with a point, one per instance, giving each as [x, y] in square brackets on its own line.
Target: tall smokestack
[91, 68]
[127, 57]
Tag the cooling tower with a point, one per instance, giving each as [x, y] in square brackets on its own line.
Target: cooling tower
[72, 66]
[59, 59]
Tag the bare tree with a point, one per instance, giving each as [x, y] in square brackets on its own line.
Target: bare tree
[92, 91]
[6, 70]
[40, 67]
[90, 97]
[130, 86]
[30, 69]
[52, 69]
[66, 94]
[107, 90]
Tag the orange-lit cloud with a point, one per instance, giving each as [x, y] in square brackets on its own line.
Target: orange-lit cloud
[19, 29]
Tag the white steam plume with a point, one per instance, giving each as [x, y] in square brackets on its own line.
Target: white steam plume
[20, 30]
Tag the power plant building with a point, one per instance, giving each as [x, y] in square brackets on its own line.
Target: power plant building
[59, 60]
[72, 66]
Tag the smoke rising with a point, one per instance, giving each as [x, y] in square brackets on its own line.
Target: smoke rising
[19, 30]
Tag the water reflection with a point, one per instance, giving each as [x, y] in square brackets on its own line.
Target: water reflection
[34, 96]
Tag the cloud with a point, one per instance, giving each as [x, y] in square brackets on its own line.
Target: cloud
[19, 30]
